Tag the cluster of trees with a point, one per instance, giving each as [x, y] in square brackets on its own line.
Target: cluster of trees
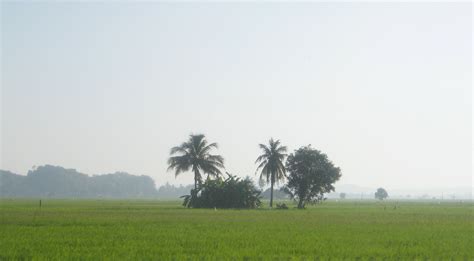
[58, 182]
[309, 172]
[232, 192]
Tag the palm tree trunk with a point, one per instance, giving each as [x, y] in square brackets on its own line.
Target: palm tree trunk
[196, 178]
[271, 194]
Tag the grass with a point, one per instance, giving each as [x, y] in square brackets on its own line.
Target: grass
[109, 229]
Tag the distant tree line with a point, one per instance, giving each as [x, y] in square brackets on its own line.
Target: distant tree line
[58, 182]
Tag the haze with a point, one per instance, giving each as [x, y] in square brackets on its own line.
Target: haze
[383, 88]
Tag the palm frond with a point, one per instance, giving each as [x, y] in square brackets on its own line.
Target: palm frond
[179, 149]
[281, 149]
[267, 150]
[216, 159]
[273, 143]
[261, 165]
[206, 149]
[265, 174]
[179, 164]
[261, 158]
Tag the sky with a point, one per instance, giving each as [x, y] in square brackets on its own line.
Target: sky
[384, 89]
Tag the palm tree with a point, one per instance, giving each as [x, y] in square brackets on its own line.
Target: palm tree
[271, 164]
[195, 154]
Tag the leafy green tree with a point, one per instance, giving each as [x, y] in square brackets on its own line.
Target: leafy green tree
[271, 164]
[194, 155]
[381, 194]
[310, 175]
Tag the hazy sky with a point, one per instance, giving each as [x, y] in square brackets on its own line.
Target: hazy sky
[384, 89]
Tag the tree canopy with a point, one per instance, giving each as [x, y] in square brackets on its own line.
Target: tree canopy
[310, 175]
[194, 155]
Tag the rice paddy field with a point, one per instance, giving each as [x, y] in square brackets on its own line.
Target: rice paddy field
[159, 230]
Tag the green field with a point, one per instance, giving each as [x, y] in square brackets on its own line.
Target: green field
[106, 229]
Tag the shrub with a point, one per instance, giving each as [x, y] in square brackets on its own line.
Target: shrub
[232, 192]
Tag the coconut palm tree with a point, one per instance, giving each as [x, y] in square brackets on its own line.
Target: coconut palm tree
[194, 155]
[271, 164]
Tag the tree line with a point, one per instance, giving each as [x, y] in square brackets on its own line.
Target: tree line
[58, 182]
[308, 172]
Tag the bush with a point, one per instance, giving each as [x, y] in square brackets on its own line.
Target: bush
[219, 193]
